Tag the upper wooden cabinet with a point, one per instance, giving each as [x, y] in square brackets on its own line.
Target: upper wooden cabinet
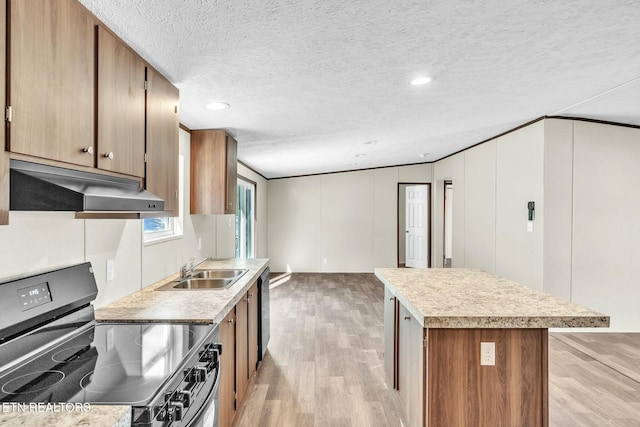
[162, 140]
[4, 155]
[121, 107]
[213, 172]
[51, 89]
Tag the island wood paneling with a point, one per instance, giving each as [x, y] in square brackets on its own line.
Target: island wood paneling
[461, 392]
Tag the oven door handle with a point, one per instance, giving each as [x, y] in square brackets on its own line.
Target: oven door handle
[201, 408]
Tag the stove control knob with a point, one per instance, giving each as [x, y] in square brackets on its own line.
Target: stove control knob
[197, 375]
[183, 397]
[219, 348]
[211, 352]
[175, 411]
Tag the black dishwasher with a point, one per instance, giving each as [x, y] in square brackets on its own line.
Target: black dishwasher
[263, 308]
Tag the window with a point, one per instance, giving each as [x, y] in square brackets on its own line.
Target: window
[157, 228]
[245, 218]
[166, 227]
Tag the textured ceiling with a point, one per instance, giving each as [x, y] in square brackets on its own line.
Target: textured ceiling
[322, 86]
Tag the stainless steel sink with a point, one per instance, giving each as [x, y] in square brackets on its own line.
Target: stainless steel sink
[218, 283]
[214, 274]
[205, 280]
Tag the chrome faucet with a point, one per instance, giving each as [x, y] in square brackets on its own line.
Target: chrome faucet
[186, 270]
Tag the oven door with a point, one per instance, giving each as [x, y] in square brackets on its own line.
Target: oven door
[207, 415]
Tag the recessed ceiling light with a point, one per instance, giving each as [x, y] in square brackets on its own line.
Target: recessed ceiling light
[217, 106]
[420, 81]
[360, 155]
[370, 142]
[423, 154]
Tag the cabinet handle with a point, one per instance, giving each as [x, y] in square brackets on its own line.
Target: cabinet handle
[109, 155]
[230, 321]
[391, 299]
[88, 150]
[251, 294]
[407, 317]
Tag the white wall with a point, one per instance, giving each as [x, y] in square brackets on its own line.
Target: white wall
[35, 242]
[558, 207]
[295, 227]
[606, 229]
[385, 214]
[519, 180]
[480, 207]
[349, 219]
[492, 184]
[449, 169]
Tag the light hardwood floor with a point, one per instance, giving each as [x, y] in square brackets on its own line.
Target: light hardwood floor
[324, 363]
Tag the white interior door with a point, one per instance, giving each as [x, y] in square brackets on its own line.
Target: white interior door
[417, 232]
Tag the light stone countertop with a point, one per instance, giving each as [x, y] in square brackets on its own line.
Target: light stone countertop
[180, 306]
[466, 298]
[97, 415]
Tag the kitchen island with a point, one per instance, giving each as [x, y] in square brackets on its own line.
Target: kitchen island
[464, 347]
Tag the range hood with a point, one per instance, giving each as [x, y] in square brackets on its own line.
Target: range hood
[37, 187]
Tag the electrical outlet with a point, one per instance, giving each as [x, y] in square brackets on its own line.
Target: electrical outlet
[530, 226]
[110, 270]
[199, 242]
[324, 261]
[488, 354]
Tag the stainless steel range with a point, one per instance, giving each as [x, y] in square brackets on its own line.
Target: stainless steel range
[53, 351]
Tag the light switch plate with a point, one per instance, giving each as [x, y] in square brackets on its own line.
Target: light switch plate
[110, 270]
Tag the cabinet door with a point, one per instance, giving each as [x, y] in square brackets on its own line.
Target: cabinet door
[162, 140]
[242, 351]
[121, 102]
[227, 374]
[411, 366]
[208, 172]
[253, 329]
[232, 175]
[390, 338]
[4, 156]
[51, 89]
